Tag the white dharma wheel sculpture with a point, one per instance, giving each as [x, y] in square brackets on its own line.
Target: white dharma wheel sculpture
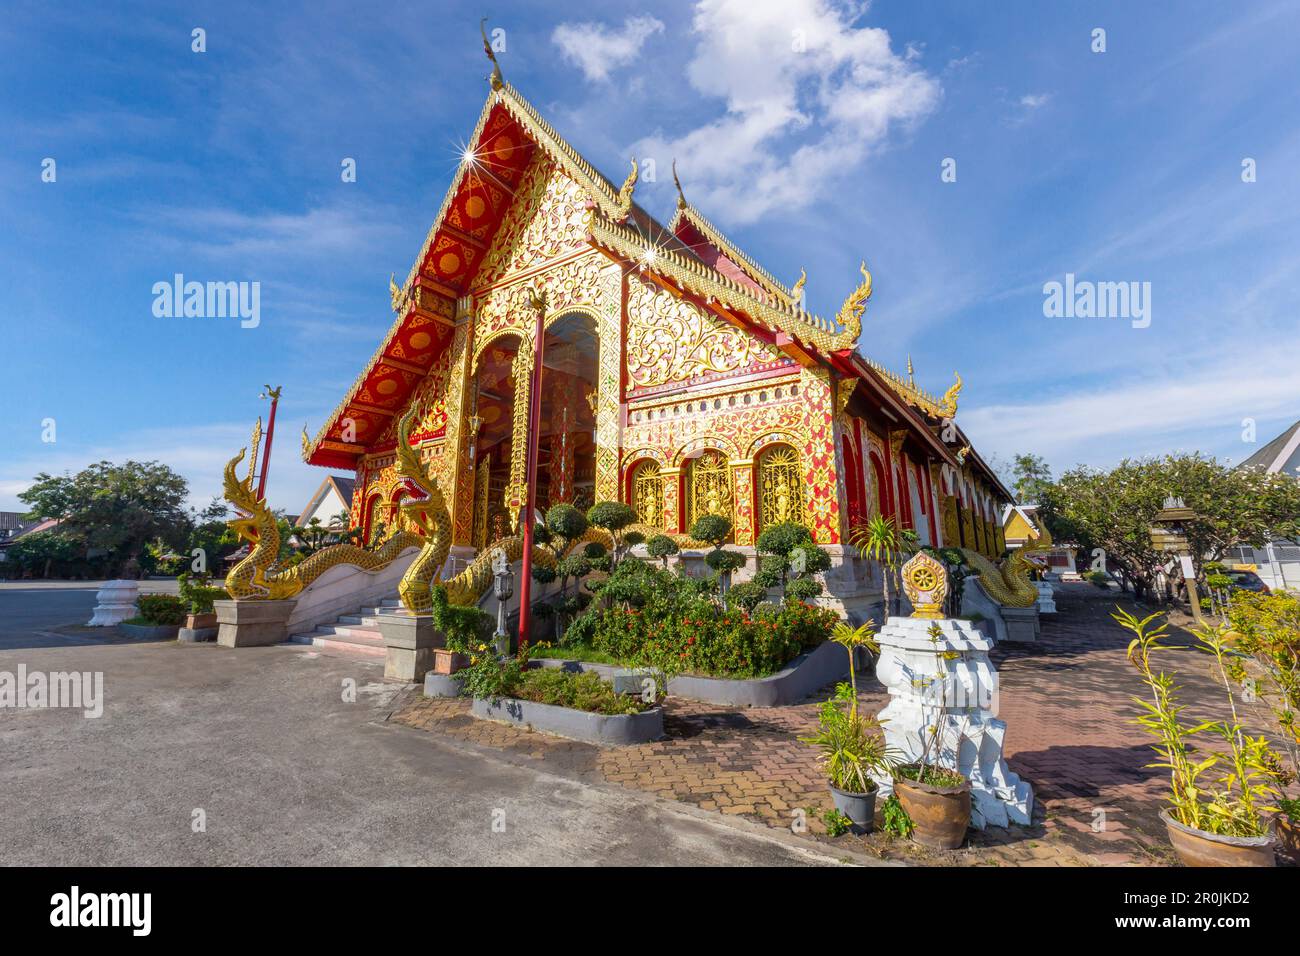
[115, 603]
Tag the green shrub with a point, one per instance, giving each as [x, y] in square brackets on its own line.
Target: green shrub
[159, 610]
[581, 691]
[711, 528]
[1099, 578]
[746, 596]
[725, 562]
[462, 626]
[662, 547]
[803, 589]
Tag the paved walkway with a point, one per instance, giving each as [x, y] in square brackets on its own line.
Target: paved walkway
[1066, 700]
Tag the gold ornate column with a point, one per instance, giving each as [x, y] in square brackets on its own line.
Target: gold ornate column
[457, 475]
[609, 387]
[672, 498]
[522, 373]
[823, 456]
[744, 526]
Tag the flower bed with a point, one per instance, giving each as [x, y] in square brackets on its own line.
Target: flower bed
[646, 616]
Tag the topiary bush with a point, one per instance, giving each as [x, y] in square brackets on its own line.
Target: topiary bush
[662, 547]
[715, 529]
[462, 626]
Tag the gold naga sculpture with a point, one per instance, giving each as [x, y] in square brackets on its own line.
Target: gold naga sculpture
[1007, 584]
[625, 193]
[850, 315]
[256, 577]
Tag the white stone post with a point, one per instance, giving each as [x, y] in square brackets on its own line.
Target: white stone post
[114, 603]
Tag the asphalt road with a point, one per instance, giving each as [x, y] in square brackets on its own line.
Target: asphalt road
[260, 745]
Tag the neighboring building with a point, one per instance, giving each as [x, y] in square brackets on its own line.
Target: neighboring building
[1022, 527]
[1277, 563]
[1282, 454]
[677, 375]
[332, 499]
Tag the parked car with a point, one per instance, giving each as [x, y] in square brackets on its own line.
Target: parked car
[1247, 581]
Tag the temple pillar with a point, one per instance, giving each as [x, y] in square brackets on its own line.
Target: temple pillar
[822, 456]
[609, 386]
[744, 526]
[672, 478]
[457, 472]
[517, 486]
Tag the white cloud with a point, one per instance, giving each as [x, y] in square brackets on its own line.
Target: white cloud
[1195, 405]
[597, 49]
[1032, 101]
[807, 95]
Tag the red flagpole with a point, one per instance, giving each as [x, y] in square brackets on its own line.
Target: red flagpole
[270, 433]
[533, 438]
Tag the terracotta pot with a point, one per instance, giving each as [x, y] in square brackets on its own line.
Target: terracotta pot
[860, 808]
[197, 622]
[1198, 848]
[940, 815]
[448, 662]
[1288, 838]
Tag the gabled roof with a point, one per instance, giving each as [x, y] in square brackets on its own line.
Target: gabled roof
[1282, 454]
[709, 245]
[343, 486]
[691, 256]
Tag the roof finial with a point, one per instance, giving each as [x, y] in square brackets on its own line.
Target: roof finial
[796, 290]
[681, 196]
[495, 78]
[911, 378]
[625, 193]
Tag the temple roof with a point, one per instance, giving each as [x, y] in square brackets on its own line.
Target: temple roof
[1282, 454]
[690, 254]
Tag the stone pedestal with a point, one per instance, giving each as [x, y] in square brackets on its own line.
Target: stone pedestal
[970, 736]
[114, 603]
[1046, 597]
[409, 642]
[252, 623]
[1022, 624]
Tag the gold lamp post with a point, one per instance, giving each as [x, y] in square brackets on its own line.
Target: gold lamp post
[1169, 533]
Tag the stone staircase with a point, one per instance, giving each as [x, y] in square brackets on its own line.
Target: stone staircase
[356, 633]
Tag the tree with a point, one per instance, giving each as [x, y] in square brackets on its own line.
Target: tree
[1114, 511]
[1032, 476]
[117, 508]
[613, 516]
[44, 554]
[883, 540]
[661, 546]
[790, 559]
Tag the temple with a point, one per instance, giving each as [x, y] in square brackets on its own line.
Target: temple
[678, 375]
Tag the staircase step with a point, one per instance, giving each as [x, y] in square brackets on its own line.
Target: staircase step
[356, 633]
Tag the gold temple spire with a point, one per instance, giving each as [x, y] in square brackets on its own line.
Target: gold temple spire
[911, 374]
[495, 77]
[681, 196]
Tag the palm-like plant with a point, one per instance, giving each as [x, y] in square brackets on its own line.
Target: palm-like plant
[883, 540]
[851, 638]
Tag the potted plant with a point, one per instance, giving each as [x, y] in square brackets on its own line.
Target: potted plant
[936, 798]
[851, 749]
[197, 595]
[1266, 638]
[1211, 820]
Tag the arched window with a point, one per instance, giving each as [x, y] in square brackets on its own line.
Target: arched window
[708, 489]
[780, 486]
[647, 493]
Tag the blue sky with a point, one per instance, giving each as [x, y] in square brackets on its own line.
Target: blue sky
[225, 165]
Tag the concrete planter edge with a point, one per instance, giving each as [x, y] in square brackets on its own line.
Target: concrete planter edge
[605, 730]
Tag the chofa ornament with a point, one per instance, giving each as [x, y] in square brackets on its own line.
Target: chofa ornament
[925, 582]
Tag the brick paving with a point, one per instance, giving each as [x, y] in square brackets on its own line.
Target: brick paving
[1066, 701]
